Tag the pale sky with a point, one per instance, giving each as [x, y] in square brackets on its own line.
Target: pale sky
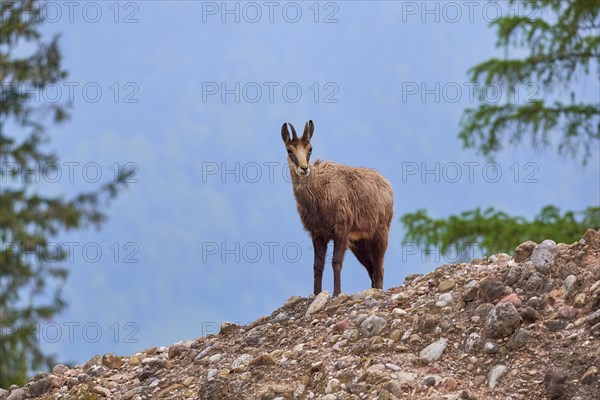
[194, 100]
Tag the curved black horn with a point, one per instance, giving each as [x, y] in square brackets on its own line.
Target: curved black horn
[294, 136]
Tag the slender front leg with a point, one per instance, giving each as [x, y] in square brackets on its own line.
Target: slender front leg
[339, 248]
[320, 248]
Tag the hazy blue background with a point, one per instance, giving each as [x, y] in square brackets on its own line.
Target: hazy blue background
[181, 139]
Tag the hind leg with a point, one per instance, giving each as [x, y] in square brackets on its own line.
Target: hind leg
[362, 251]
[378, 247]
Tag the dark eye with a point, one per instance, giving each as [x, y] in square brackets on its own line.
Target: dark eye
[289, 152]
[310, 150]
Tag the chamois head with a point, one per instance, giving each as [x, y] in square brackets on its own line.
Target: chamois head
[298, 149]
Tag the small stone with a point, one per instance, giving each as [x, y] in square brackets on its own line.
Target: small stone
[491, 348]
[240, 361]
[524, 250]
[512, 298]
[40, 387]
[502, 320]
[176, 350]
[342, 326]
[445, 297]
[101, 390]
[282, 316]
[112, 361]
[593, 318]
[470, 294]
[446, 285]
[567, 312]
[215, 358]
[512, 275]
[518, 339]
[216, 389]
[543, 256]
[555, 325]
[535, 282]
[554, 381]
[59, 369]
[580, 300]
[263, 359]
[427, 323]
[228, 327]
[429, 381]
[590, 376]
[483, 310]
[529, 315]
[17, 394]
[495, 374]
[434, 351]
[372, 325]
[473, 343]
[318, 303]
[569, 284]
[490, 290]
[400, 312]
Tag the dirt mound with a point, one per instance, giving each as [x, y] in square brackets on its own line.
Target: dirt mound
[522, 327]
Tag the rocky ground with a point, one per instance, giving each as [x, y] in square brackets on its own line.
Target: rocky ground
[522, 327]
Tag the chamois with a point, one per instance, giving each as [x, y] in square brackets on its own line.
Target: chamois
[351, 206]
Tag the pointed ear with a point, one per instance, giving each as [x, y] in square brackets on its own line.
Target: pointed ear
[309, 128]
[285, 134]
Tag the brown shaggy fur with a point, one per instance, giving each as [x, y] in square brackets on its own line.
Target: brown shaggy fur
[351, 206]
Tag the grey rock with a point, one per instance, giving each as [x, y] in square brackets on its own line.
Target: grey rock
[470, 293]
[427, 323]
[318, 303]
[512, 275]
[216, 389]
[17, 394]
[496, 372]
[447, 297]
[543, 256]
[38, 388]
[502, 320]
[518, 339]
[491, 348]
[554, 381]
[491, 290]
[569, 284]
[155, 362]
[431, 380]
[434, 351]
[555, 325]
[484, 309]
[473, 343]
[282, 316]
[593, 318]
[59, 369]
[535, 282]
[240, 361]
[372, 325]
